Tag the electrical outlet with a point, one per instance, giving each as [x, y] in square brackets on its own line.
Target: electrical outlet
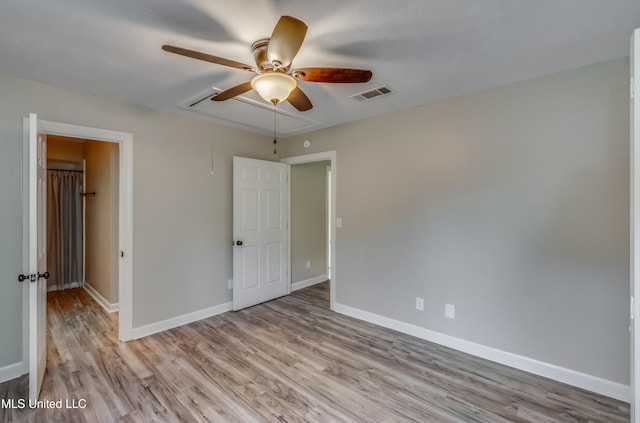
[449, 311]
[230, 284]
[419, 303]
[308, 264]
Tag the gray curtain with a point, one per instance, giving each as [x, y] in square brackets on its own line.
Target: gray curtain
[64, 229]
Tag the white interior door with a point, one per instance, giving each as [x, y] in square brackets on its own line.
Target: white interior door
[37, 242]
[260, 231]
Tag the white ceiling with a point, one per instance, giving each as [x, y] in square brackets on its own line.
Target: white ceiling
[425, 50]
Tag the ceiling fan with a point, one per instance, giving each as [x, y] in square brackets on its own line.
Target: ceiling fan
[275, 81]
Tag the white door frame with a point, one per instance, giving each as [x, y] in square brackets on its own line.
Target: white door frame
[84, 222]
[125, 212]
[329, 219]
[321, 157]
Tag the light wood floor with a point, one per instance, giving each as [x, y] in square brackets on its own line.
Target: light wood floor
[289, 360]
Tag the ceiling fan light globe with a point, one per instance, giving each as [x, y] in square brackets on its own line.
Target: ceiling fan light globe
[274, 87]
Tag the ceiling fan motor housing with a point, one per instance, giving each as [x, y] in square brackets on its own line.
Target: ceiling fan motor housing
[260, 55]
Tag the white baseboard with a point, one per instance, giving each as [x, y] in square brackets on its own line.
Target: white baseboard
[109, 307]
[571, 377]
[308, 282]
[174, 322]
[11, 371]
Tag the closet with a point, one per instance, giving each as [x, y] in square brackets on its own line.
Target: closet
[82, 217]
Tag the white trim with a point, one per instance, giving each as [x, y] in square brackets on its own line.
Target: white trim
[84, 220]
[12, 371]
[289, 271]
[319, 157]
[106, 305]
[308, 282]
[174, 322]
[125, 274]
[327, 200]
[581, 380]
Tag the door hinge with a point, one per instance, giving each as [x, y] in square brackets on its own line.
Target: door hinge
[633, 314]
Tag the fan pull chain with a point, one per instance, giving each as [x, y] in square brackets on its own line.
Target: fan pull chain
[274, 129]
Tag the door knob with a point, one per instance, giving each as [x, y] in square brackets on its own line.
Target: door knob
[239, 243]
[43, 275]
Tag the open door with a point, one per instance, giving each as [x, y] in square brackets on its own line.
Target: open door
[36, 239]
[260, 231]
[635, 224]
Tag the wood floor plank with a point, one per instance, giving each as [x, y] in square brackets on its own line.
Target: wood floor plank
[288, 360]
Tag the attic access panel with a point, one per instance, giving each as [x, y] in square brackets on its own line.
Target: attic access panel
[245, 112]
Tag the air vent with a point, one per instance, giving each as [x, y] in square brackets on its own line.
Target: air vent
[371, 94]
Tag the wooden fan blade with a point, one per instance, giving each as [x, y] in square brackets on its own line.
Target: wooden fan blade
[207, 57]
[333, 75]
[286, 40]
[232, 92]
[299, 100]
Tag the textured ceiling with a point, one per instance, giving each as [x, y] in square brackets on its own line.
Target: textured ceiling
[425, 50]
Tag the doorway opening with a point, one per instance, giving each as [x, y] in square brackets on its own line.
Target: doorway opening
[82, 243]
[124, 228]
[82, 217]
[312, 222]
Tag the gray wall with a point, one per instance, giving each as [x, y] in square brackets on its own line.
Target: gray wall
[181, 213]
[10, 241]
[512, 204]
[308, 220]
